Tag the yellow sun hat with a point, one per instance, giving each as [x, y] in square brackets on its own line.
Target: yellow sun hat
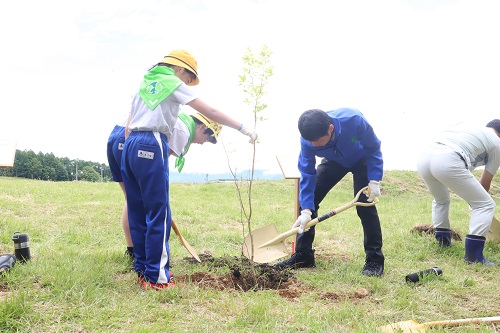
[185, 60]
[212, 125]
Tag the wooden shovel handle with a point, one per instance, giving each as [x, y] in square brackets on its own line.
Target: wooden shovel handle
[354, 202]
[414, 327]
[458, 322]
[315, 221]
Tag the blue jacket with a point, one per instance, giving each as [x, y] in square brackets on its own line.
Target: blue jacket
[354, 140]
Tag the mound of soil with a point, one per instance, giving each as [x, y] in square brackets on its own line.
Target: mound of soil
[240, 277]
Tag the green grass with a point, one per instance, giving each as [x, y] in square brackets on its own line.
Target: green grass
[78, 279]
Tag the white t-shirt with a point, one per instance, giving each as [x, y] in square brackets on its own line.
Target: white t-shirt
[479, 146]
[163, 118]
[179, 138]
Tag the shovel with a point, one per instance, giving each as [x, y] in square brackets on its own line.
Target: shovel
[411, 326]
[494, 232]
[185, 243]
[268, 244]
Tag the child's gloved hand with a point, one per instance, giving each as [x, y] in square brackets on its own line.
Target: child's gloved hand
[250, 133]
[374, 190]
[305, 216]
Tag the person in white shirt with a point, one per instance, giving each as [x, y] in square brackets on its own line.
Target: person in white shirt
[145, 168]
[446, 166]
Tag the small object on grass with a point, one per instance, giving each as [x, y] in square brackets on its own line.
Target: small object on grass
[415, 277]
[21, 247]
[7, 261]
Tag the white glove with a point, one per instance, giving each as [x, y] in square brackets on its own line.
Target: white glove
[374, 190]
[305, 216]
[250, 133]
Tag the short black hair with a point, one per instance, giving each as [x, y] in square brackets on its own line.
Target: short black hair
[495, 124]
[314, 124]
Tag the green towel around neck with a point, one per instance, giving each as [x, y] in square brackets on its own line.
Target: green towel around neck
[188, 120]
[159, 83]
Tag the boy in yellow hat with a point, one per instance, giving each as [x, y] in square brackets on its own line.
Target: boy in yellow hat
[195, 128]
[154, 112]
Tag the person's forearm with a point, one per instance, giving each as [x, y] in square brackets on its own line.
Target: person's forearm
[485, 180]
[214, 114]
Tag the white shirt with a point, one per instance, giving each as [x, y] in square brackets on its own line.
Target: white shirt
[179, 138]
[479, 146]
[163, 118]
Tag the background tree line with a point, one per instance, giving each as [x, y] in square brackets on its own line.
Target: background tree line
[28, 164]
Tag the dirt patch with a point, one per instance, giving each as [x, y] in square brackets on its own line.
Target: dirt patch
[241, 278]
[4, 293]
[429, 229]
[240, 275]
[352, 296]
[330, 257]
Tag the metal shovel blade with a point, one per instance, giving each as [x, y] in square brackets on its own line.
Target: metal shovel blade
[494, 233]
[403, 326]
[264, 254]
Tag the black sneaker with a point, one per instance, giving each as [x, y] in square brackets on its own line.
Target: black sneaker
[373, 268]
[129, 254]
[303, 259]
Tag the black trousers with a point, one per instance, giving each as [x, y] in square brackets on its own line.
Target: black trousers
[328, 174]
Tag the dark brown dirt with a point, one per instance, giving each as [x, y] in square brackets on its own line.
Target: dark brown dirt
[241, 278]
[429, 229]
[240, 275]
[352, 296]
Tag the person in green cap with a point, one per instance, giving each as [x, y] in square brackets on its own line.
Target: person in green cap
[195, 128]
[144, 168]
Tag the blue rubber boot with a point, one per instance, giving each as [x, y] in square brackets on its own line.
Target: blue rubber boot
[443, 236]
[474, 246]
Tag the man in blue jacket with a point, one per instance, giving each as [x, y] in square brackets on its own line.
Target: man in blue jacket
[346, 142]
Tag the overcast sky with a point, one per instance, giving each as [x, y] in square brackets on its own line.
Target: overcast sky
[413, 67]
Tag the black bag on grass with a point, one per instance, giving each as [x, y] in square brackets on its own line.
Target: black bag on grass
[7, 261]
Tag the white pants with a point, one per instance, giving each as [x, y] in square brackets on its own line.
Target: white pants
[443, 170]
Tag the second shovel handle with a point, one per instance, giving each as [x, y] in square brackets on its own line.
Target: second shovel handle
[348, 205]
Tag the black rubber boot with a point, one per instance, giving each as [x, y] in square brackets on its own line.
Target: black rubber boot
[474, 246]
[302, 259]
[443, 236]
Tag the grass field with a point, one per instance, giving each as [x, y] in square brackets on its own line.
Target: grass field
[78, 279]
